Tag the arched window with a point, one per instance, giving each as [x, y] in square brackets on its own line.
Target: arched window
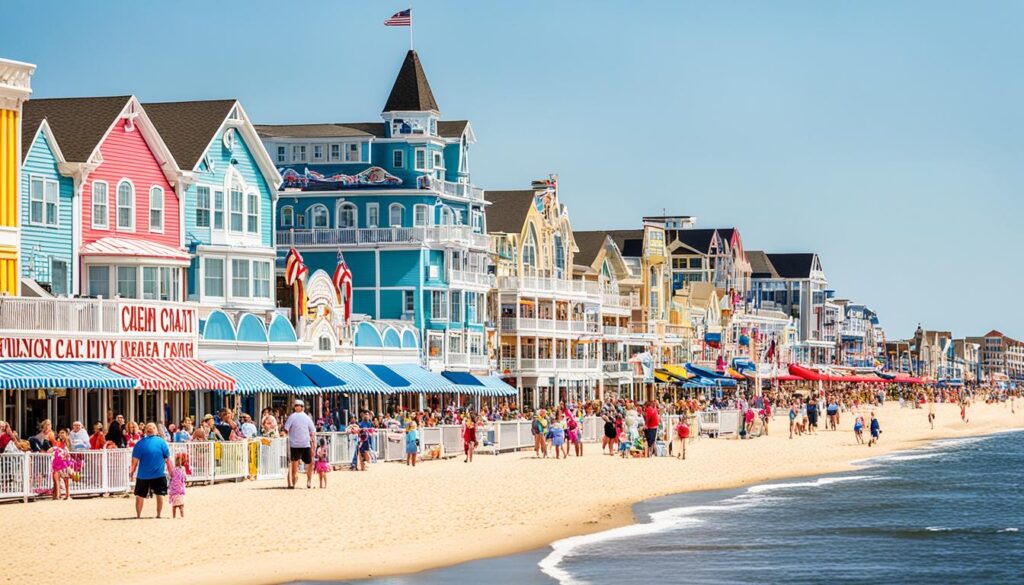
[446, 215]
[287, 216]
[125, 205]
[530, 250]
[236, 205]
[318, 216]
[348, 216]
[559, 256]
[156, 209]
[420, 215]
[396, 215]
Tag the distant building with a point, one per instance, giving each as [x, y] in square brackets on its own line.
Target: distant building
[1002, 355]
[795, 284]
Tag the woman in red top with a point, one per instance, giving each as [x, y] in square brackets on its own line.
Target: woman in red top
[97, 440]
[469, 437]
[7, 436]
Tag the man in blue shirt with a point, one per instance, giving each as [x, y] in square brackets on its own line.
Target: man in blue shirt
[150, 457]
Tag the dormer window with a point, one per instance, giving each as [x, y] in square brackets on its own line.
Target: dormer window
[405, 126]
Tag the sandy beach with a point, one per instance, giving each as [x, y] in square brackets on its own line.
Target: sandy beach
[394, 519]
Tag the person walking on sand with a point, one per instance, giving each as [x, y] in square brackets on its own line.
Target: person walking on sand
[150, 457]
[858, 429]
[412, 443]
[931, 411]
[301, 438]
[792, 419]
[469, 438]
[539, 428]
[876, 430]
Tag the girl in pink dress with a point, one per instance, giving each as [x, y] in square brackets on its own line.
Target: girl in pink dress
[322, 463]
[176, 491]
[62, 466]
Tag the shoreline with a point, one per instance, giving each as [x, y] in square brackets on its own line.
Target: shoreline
[393, 520]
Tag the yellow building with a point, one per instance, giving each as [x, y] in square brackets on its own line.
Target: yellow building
[15, 87]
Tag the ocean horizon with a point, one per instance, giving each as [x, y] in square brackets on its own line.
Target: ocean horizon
[937, 513]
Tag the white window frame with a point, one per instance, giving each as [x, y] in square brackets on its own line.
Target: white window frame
[67, 273]
[335, 156]
[318, 152]
[254, 280]
[218, 209]
[298, 153]
[131, 206]
[346, 205]
[137, 271]
[235, 185]
[282, 153]
[426, 215]
[372, 215]
[391, 215]
[348, 151]
[416, 159]
[106, 206]
[44, 184]
[223, 276]
[163, 205]
[208, 208]
[408, 302]
[248, 278]
[252, 211]
[313, 213]
[398, 158]
[455, 316]
[442, 296]
[89, 280]
[287, 212]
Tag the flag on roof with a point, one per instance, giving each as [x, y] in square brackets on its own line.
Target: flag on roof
[403, 18]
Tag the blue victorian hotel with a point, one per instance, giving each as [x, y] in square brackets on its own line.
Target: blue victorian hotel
[394, 199]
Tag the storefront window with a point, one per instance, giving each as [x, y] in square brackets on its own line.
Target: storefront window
[150, 283]
[99, 281]
[127, 282]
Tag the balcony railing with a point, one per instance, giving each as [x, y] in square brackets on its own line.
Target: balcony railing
[527, 285]
[69, 315]
[613, 300]
[464, 190]
[509, 325]
[616, 366]
[373, 237]
[527, 365]
[471, 278]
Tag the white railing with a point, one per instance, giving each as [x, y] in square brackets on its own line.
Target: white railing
[29, 475]
[718, 423]
[70, 315]
[527, 285]
[334, 237]
[273, 458]
[615, 330]
[471, 278]
[613, 300]
[464, 190]
[539, 364]
[510, 324]
[616, 366]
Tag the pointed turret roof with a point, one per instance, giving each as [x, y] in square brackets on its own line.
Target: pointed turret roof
[411, 92]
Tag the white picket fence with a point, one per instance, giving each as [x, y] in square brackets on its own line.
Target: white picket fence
[719, 423]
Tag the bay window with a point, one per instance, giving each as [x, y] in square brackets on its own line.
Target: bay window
[213, 277]
[240, 278]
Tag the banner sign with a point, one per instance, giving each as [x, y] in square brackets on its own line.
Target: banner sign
[143, 331]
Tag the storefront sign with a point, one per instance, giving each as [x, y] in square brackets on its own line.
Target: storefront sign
[149, 319]
[99, 350]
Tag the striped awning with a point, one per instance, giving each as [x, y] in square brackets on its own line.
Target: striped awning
[251, 377]
[466, 383]
[293, 378]
[185, 374]
[355, 378]
[420, 380]
[36, 375]
[498, 386]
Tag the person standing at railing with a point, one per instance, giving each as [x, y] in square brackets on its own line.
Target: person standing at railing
[8, 438]
[248, 428]
[79, 437]
[150, 457]
[412, 443]
[115, 432]
[301, 437]
[469, 437]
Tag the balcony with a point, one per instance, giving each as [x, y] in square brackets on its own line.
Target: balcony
[460, 235]
[613, 367]
[463, 190]
[467, 278]
[617, 301]
[615, 331]
[114, 316]
[510, 325]
[529, 366]
[544, 286]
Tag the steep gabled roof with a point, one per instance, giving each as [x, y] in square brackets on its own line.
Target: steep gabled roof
[507, 210]
[188, 127]
[452, 128]
[78, 124]
[793, 265]
[760, 265]
[698, 239]
[630, 242]
[589, 245]
[411, 92]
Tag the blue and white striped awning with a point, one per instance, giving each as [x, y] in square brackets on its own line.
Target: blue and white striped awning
[497, 386]
[293, 378]
[251, 377]
[37, 375]
[355, 378]
[421, 380]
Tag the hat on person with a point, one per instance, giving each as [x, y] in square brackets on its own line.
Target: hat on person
[208, 417]
[300, 403]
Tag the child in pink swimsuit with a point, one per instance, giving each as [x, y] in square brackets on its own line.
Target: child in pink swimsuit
[176, 491]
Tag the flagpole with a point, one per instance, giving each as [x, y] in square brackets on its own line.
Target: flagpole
[410, 26]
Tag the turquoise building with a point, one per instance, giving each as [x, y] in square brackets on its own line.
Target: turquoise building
[393, 197]
[46, 210]
[228, 192]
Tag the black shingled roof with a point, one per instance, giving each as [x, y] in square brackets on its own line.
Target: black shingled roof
[78, 124]
[793, 265]
[507, 210]
[698, 239]
[411, 92]
[188, 127]
[760, 265]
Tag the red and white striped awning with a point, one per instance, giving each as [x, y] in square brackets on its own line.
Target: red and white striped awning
[131, 247]
[184, 374]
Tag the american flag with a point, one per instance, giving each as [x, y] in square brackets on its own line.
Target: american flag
[403, 18]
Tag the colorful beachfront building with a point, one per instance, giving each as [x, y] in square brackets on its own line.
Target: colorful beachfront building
[15, 89]
[394, 199]
[550, 325]
[125, 229]
[228, 190]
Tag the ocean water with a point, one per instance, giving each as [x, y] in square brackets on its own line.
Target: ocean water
[950, 512]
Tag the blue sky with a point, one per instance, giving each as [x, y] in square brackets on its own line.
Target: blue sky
[886, 136]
